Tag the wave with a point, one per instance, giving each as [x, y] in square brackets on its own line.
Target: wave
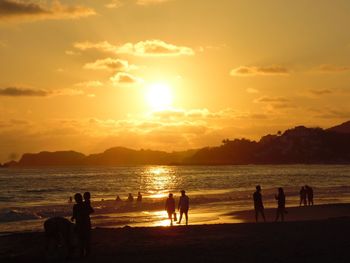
[16, 215]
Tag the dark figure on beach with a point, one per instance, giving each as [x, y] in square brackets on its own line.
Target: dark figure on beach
[59, 235]
[258, 203]
[170, 208]
[281, 204]
[81, 216]
[139, 197]
[130, 198]
[310, 195]
[184, 204]
[118, 199]
[302, 194]
[70, 200]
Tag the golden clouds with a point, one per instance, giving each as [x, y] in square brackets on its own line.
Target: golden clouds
[22, 11]
[124, 78]
[248, 71]
[109, 64]
[143, 48]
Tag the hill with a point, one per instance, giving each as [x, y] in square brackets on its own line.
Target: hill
[294, 146]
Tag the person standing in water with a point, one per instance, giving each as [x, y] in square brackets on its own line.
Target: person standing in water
[184, 204]
[310, 195]
[281, 204]
[139, 197]
[170, 207]
[258, 203]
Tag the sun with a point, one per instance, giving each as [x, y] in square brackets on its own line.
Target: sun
[159, 96]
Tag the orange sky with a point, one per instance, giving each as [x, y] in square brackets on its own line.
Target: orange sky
[167, 74]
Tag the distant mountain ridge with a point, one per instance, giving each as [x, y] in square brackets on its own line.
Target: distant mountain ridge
[296, 145]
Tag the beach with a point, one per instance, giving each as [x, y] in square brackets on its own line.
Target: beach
[323, 237]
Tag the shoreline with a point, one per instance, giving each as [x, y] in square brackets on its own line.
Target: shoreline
[321, 238]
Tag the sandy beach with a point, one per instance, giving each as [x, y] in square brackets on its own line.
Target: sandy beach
[321, 237]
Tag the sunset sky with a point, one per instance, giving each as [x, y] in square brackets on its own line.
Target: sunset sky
[168, 74]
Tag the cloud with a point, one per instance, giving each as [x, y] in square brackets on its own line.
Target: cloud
[329, 68]
[252, 91]
[274, 103]
[30, 92]
[109, 64]
[23, 11]
[143, 48]
[248, 71]
[266, 99]
[23, 92]
[90, 84]
[331, 113]
[151, 2]
[114, 4]
[320, 92]
[124, 78]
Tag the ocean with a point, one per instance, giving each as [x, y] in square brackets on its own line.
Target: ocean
[29, 196]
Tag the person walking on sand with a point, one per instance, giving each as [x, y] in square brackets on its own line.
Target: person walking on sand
[281, 204]
[81, 217]
[170, 208]
[258, 203]
[302, 194]
[184, 204]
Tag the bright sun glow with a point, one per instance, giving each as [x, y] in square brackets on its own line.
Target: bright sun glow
[159, 96]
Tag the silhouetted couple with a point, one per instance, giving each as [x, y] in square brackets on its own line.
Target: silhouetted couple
[81, 216]
[183, 207]
[306, 195]
[259, 205]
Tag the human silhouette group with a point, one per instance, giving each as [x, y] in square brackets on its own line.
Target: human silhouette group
[183, 207]
[306, 198]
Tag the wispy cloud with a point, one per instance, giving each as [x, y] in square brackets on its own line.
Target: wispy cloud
[30, 92]
[90, 84]
[23, 11]
[143, 48]
[124, 79]
[109, 64]
[23, 92]
[151, 2]
[248, 71]
[114, 4]
[329, 68]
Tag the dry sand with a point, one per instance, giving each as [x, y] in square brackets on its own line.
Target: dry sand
[324, 240]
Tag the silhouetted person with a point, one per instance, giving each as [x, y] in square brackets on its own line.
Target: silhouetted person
[118, 199]
[59, 238]
[70, 200]
[310, 195]
[139, 197]
[258, 203]
[130, 198]
[170, 207]
[81, 215]
[184, 205]
[281, 204]
[302, 194]
[90, 210]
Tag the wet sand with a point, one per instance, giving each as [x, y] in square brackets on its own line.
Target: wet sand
[318, 240]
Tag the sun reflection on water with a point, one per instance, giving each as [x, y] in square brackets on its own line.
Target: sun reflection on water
[159, 180]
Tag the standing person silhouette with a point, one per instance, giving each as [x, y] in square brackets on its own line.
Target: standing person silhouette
[310, 195]
[302, 194]
[82, 224]
[89, 210]
[258, 203]
[170, 207]
[184, 204]
[281, 204]
[139, 197]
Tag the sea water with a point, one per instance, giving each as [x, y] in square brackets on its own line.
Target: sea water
[30, 196]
